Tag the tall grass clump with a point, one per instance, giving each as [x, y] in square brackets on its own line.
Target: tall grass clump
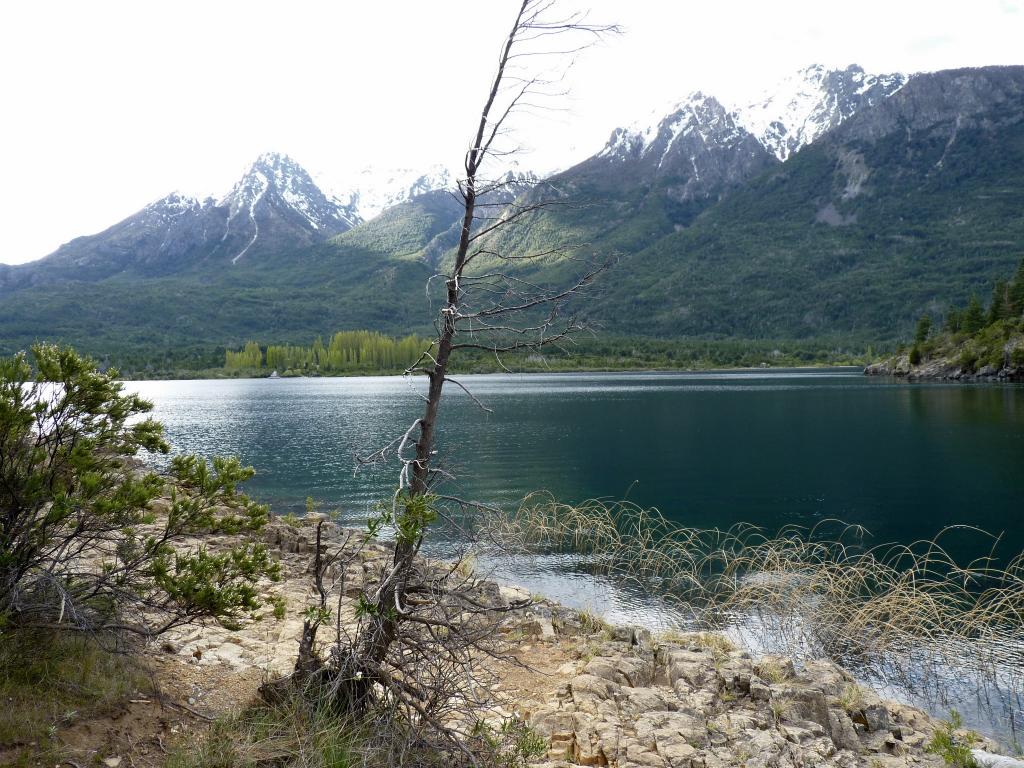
[906, 613]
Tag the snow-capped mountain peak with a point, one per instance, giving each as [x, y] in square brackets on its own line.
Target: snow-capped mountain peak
[782, 120]
[812, 101]
[174, 204]
[377, 189]
[279, 179]
[699, 120]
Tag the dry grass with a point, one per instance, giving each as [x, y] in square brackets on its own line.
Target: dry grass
[851, 697]
[289, 735]
[300, 733]
[591, 622]
[802, 592]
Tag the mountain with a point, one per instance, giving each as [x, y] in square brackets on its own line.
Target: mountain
[660, 174]
[695, 152]
[275, 206]
[907, 205]
[840, 207]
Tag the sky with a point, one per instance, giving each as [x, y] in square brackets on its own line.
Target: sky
[108, 105]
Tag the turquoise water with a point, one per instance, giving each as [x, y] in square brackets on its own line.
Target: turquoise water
[708, 449]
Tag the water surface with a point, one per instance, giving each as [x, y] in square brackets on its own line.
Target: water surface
[707, 449]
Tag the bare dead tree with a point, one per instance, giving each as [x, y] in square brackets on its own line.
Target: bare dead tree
[488, 303]
[425, 637]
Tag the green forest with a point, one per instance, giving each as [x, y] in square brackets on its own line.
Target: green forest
[974, 338]
[346, 352]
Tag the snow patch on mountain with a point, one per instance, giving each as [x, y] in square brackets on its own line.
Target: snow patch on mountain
[377, 189]
[812, 101]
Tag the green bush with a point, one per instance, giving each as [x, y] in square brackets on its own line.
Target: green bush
[80, 547]
[952, 744]
[968, 360]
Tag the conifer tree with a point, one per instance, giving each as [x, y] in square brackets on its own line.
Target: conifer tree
[1016, 292]
[999, 309]
[924, 327]
[80, 547]
[953, 320]
[974, 316]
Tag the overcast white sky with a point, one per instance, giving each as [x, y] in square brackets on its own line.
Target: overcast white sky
[109, 105]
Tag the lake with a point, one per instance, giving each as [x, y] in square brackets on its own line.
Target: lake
[772, 448]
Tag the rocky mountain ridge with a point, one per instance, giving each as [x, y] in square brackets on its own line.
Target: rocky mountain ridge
[699, 148]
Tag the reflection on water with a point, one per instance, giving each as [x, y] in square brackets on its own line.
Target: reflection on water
[709, 450]
[715, 449]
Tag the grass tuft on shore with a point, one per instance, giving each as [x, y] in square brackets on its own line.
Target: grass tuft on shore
[51, 680]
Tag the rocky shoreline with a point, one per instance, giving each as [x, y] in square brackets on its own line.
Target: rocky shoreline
[613, 696]
[943, 369]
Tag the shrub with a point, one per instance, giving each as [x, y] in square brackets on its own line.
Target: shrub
[953, 747]
[80, 547]
[968, 359]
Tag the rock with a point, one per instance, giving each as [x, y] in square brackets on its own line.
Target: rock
[697, 703]
[592, 694]
[737, 674]
[669, 727]
[874, 718]
[622, 670]
[592, 743]
[829, 677]
[537, 627]
[637, 701]
[556, 724]
[567, 623]
[759, 691]
[676, 752]
[695, 668]
[112, 762]
[989, 760]
[513, 594]
[796, 733]
[762, 745]
[810, 704]
[842, 732]
[591, 685]
[882, 368]
[634, 636]
[637, 755]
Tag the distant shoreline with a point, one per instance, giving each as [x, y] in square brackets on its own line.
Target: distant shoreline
[221, 376]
